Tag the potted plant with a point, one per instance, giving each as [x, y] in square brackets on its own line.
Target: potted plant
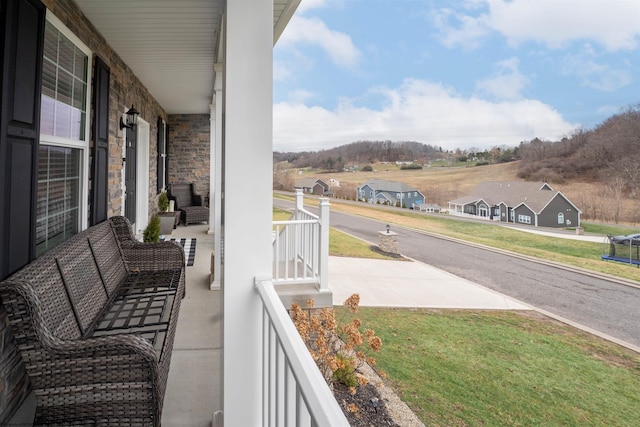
[152, 232]
[167, 219]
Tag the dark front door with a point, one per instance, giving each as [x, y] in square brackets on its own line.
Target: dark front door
[130, 175]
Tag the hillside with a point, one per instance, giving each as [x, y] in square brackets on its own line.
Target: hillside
[363, 153]
[608, 153]
[598, 169]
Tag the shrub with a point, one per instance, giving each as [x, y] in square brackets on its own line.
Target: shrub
[367, 168]
[163, 202]
[412, 166]
[338, 348]
[152, 232]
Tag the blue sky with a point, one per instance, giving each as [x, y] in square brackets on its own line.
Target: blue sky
[455, 74]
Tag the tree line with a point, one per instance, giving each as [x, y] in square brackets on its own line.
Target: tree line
[609, 153]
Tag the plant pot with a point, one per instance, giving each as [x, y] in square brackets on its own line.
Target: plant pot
[167, 221]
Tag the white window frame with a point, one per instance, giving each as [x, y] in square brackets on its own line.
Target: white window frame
[83, 145]
[560, 218]
[524, 219]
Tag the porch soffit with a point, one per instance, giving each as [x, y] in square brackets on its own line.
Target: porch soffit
[171, 46]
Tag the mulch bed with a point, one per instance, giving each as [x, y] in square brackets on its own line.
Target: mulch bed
[371, 408]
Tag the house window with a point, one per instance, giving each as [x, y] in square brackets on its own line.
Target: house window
[63, 152]
[524, 219]
[58, 187]
[560, 218]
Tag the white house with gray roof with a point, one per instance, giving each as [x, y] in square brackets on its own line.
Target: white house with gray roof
[389, 193]
[531, 203]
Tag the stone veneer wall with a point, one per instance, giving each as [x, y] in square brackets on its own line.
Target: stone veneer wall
[188, 150]
[125, 90]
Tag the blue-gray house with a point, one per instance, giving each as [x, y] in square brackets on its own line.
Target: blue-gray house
[389, 193]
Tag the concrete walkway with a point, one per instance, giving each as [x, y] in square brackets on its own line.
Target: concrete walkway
[392, 283]
[194, 386]
[562, 234]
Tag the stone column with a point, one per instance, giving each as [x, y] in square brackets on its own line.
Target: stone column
[388, 242]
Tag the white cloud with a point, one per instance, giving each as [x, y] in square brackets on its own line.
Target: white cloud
[592, 74]
[466, 32]
[612, 23]
[507, 83]
[420, 111]
[337, 45]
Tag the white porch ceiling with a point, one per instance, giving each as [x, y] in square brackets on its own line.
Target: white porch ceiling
[171, 45]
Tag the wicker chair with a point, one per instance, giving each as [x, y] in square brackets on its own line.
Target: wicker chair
[190, 204]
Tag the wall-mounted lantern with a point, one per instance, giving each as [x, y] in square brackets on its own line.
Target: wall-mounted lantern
[132, 118]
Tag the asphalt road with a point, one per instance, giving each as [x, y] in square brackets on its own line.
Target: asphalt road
[603, 305]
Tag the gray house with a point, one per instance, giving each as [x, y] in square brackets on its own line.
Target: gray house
[531, 203]
[313, 186]
[389, 193]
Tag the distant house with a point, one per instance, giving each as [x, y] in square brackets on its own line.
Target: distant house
[313, 186]
[428, 207]
[389, 193]
[531, 203]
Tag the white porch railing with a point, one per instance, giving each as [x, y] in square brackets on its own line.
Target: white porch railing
[294, 391]
[301, 246]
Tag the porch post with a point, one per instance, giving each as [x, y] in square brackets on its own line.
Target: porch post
[247, 202]
[212, 163]
[324, 244]
[299, 201]
[215, 210]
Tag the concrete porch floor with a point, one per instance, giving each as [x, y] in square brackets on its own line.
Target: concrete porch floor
[195, 377]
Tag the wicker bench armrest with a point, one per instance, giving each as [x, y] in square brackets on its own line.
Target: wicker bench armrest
[153, 256]
[114, 345]
[197, 200]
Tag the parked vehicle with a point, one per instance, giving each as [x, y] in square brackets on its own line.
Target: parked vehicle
[630, 239]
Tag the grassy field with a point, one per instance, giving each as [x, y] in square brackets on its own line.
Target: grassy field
[470, 368]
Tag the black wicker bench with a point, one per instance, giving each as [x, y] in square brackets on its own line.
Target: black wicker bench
[94, 321]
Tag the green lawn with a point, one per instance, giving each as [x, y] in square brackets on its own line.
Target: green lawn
[469, 368]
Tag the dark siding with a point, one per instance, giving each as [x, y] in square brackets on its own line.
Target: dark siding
[549, 216]
[504, 213]
[524, 210]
